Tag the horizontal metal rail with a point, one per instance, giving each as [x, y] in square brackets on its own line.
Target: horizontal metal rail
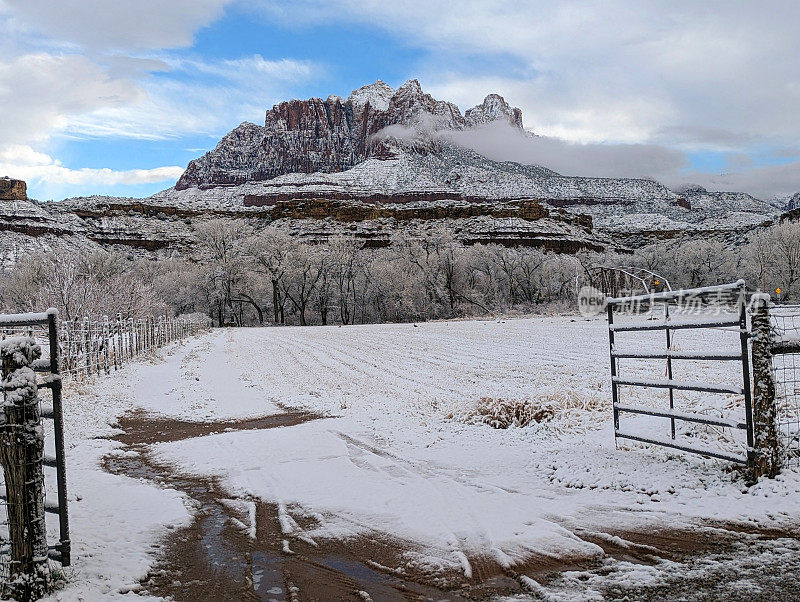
[681, 447]
[41, 365]
[685, 416]
[677, 355]
[49, 506]
[679, 294]
[52, 382]
[679, 385]
[32, 319]
[674, 325]
[785, 345]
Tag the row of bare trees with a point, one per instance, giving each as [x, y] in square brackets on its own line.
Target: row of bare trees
[769, 261]
[241, 276]
[245, 277]
[80, 284]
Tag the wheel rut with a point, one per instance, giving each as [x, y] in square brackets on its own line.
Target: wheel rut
[239, 549]
[222, 556]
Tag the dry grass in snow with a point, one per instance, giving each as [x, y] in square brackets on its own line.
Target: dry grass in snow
[561, 410]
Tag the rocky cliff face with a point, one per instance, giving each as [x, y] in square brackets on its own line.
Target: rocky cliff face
[157, 228]
[394, 146]
[12, 190]
[332, 135]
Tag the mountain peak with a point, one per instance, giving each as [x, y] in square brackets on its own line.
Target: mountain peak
[377, 94]
[308, 136]
[493, 108]
[411, 86]
[411, 106]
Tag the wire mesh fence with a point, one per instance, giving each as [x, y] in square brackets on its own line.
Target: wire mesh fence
[99, 346]
[23, 511]
[786, 366]
[24, 552]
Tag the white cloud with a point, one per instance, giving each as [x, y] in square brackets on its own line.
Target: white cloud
[670, 166]
[762, 182]
[118, 24]
[589, 115]
[501, 142]
[210, 97]
[603, 71]
[248, 68]
[23, 162]
[40, 93]
[44, 94]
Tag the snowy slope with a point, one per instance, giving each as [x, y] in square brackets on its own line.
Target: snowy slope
[394, 461]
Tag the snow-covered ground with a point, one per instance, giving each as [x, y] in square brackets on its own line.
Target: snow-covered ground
[394, 460]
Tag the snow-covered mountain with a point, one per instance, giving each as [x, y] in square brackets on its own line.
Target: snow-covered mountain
[332, 135]
[387, 145]
[382, 162]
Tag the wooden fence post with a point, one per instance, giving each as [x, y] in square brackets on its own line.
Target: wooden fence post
[106, 345]
[86, 348]
[131, 339]
[119, 348]
[767, 456]
[21, 455]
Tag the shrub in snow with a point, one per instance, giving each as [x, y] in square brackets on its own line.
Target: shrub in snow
[502, 413]
[568, 408]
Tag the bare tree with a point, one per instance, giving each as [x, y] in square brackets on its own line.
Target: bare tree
[305, 265]
[777, 250]
[271, 251]
[222, 245]
[344, 263]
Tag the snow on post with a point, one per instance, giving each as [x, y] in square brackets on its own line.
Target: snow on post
[21, 452]
[767, 457]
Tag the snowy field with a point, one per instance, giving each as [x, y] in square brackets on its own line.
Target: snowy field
[395, 458]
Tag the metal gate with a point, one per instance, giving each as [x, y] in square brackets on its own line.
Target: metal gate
[41, 326]
[729, 294]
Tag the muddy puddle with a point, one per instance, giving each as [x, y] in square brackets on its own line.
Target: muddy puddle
[234, 549]
[222, 556]
[141, 428]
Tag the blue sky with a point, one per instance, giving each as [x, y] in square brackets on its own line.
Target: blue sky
[684, 92]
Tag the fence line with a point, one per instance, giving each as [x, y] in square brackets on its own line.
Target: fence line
[100, 346]
[786, 367]
[80, 348]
